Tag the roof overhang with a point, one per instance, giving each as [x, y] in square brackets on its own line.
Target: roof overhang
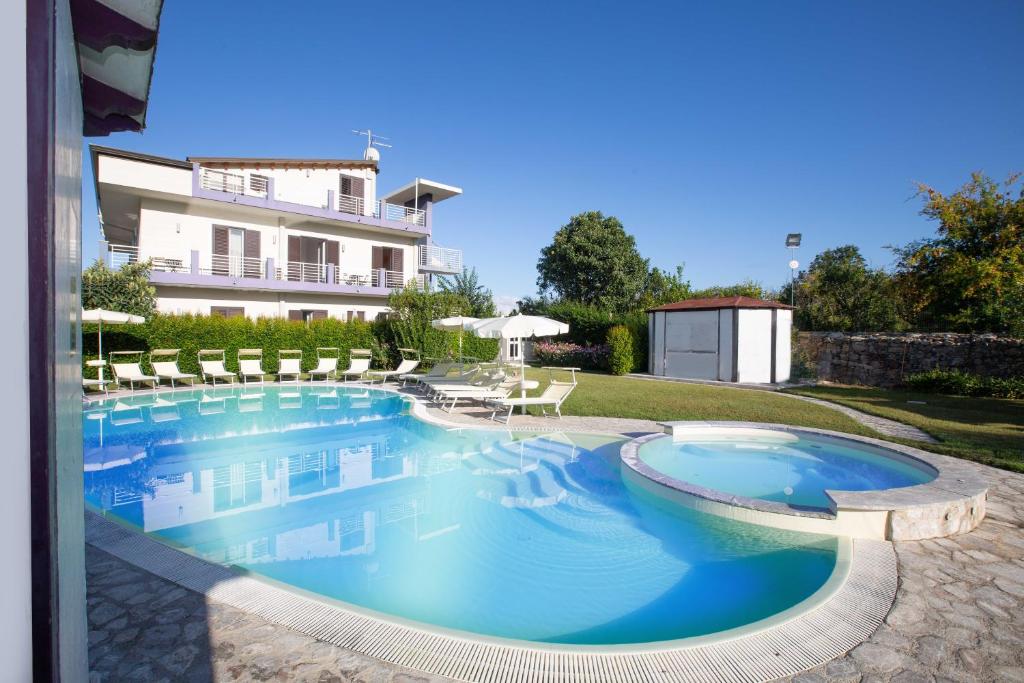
[116, 41]
[251, 162]
[407, 193]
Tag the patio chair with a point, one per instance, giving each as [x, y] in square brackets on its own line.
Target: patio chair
[251, 366]
[552, 396]
[130, 371]
[213, 368]
[290, 366]
[165, 366]
[358, 364]
[480, 379]
[500, 390]
[404, 368]
[326, 365]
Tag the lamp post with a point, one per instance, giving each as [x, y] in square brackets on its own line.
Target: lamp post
[792, 242]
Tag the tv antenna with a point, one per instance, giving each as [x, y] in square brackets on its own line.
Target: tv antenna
[372, 141]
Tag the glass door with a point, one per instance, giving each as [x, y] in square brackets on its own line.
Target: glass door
[236, 250]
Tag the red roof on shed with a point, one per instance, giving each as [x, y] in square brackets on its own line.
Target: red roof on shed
[717, 302]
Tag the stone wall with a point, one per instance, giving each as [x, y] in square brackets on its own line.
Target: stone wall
[883, 360]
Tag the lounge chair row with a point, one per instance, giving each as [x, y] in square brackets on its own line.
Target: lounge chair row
[127, 369]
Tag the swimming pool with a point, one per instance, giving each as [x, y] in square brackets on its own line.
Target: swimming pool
[795, 468]
[342, 493]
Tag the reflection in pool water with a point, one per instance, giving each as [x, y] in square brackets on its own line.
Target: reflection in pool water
[341, 492]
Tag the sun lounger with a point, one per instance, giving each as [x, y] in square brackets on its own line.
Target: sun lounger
[553, 396]
[290, 366]
[404, 368]
[130, 371]
[251, 365]
[483, 378]
[498, 391]
[358, 364]
[213, 367]
[326, 365]
[437, 372]
[165, 366]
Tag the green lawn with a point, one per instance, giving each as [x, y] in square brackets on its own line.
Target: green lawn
[987, 430]
[610, 396]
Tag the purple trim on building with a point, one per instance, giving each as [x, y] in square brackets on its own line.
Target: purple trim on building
[273, 204]
[261, 284]
[98, 26]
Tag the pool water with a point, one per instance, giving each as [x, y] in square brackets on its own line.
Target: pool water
[781, 466]
[343, 493]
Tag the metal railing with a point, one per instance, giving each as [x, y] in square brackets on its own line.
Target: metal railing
[350, 204]
[222, 181]
[395, 278]
[405, 214]
[433, 257]
[258, 184]
[121, 255]
[231, 266]
[298, 271]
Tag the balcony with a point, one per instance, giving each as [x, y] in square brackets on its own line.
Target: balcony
[440, 259]
[196, 269]
[210, 183]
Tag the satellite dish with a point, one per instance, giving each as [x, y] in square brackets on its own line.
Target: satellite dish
[371, 154]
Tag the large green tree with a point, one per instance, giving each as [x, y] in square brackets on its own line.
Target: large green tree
[593, 260]
[664, 287]
[467, 285]
[126, 289]
[970, 277]
[840, 292]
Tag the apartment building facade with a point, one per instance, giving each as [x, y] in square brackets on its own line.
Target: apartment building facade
[294, 238]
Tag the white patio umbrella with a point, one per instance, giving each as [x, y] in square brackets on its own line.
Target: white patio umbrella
[519, 327]
[100, 315]
[458, 322]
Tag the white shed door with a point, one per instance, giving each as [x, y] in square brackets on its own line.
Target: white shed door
[691, 344]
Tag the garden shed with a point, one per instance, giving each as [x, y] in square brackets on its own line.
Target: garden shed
[728, 339]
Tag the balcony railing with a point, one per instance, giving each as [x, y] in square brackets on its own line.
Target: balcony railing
[405, 214]
[223, 181]
[435, 258]
[351, 204]
[231, 266]
[121, 255]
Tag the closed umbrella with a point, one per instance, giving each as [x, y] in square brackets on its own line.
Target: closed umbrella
[519, 327]
[100, 316]
[458, 322]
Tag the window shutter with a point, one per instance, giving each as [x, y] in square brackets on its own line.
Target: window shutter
[377, 257]
[346, 185]
[349, 316]
[295, 315]
[294, 249]
[362, 315]
[251, 247]
[333, 252]
[397, 258]
[356, 187]
[318, 314]
[219, 260]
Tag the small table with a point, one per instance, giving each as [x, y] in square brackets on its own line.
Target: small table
[523, 386]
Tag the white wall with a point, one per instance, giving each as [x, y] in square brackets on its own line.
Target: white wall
[15, 534]
[310, 186]
[198, 300]
[144, 175]
[755, 345]
[783, 345]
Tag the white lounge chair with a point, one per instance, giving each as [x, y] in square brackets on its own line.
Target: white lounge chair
[404, 368]
[437, 372]
[130, 371]
[165, 366]
[554, 396]
[95, 383]
[358, 364]
[251, 366]
[213, 368]
[290, 366]
[326, 365]
[480, 379]
[497, 391]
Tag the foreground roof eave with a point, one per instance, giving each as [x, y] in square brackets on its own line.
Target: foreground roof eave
[97, 150]
[271, 162]
[714, 303]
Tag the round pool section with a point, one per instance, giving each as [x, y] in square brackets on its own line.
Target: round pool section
[343, 494]
[794, 468]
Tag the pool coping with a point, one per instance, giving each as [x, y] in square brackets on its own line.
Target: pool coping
[953, 502]
[841, 619]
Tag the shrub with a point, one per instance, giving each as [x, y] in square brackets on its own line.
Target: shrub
[567, 354]
[960, 383]
[620, 350]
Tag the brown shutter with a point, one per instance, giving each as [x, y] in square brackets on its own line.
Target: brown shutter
[346, 185]
[251, 251]
[397, 257]
[333, 252]
[295, 315]
[294, 250]
[318, 314]
[356, 187]
[362, 315]
[219, 260]
[349, 316]
[377, 257]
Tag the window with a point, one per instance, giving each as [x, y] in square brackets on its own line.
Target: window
[514, 349]
[307, 314]
[227, 311]
[236, 252]
[388, 258]
[309, 256]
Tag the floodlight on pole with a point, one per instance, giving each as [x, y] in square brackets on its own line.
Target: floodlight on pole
[792, 243]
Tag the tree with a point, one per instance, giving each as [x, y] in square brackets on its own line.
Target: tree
[593, 260]
[838, 292]
[126, 290]
[467, 285]
[664, 287]
[745, 288]
[970, 277]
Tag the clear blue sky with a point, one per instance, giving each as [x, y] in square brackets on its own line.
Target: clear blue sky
[710, 129]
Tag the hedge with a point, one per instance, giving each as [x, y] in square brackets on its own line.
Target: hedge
[959, 383]
[193, 332]
[589, 326]
[620, 350]
[567, 354]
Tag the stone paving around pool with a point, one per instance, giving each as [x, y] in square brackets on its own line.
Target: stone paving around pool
[958, 614]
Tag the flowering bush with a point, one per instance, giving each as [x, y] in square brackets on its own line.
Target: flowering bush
[566, 354]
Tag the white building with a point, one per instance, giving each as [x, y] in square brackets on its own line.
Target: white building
[726, 339]
[292, 238]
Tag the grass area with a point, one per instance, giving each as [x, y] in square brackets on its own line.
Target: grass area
[609, 396]
[986, 430]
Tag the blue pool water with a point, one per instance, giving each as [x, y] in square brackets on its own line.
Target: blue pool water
[342, 493]
[781, 466]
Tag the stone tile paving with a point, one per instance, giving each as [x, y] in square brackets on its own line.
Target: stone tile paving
[958, 615]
